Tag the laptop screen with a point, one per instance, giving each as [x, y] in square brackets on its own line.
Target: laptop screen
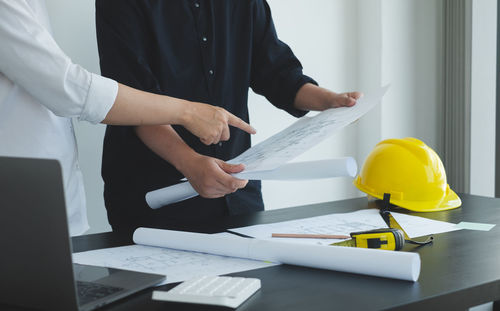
[35, 265]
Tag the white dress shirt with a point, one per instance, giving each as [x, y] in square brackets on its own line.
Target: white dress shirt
[40, 90]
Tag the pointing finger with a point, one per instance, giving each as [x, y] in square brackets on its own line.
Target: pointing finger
[237, 122]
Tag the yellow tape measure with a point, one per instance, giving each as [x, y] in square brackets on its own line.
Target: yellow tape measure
[392, 238]
[385, 238]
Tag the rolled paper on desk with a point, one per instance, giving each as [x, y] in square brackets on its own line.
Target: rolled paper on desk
[381, 263]
[293, 171]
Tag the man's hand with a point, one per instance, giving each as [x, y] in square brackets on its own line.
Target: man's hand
[336, 100]
[312, 97]
[210, 176]
[211, 123]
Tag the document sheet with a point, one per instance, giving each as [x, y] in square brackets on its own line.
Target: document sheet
[475, 226]
[344, 224]
[319, 169]
[304, 134]
[177, 265]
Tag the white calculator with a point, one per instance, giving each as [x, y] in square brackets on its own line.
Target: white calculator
[211, 290]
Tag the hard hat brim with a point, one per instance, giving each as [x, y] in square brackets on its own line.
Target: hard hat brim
[450, 201]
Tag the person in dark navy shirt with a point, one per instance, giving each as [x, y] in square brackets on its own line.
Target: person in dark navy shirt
[208, 51]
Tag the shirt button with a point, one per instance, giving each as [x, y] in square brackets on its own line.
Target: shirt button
[204, 39]
[196, 5]
[211, 72]
[220, 144]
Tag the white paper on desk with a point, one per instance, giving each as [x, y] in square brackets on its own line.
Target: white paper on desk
[292, 171]
[344, 224]
[177, 265]
[416, 226]
[338, 224]
[398, 265]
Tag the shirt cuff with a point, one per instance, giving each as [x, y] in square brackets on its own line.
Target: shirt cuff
[101, 97]
[295, 86]
[290, 84]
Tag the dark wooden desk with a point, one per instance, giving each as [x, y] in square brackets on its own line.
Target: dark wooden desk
[460, 269]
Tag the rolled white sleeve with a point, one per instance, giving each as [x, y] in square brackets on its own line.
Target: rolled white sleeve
[31, 58]
[100, 98]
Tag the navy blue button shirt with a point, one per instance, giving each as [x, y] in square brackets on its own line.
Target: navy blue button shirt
[208, 51]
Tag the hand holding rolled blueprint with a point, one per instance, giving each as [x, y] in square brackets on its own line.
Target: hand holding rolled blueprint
[292, 171]
[268, 158]
[382, 263]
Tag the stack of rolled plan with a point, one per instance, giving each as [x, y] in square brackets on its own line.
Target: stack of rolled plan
[292, 171]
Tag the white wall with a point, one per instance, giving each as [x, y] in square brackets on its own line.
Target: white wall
[322, 35]
[411, 45]
[483, 97]
[403, 48]
[343, 44]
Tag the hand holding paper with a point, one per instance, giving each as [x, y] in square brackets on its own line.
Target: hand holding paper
[211, 177]
[304, 134]
[314, 98]
[263, 161]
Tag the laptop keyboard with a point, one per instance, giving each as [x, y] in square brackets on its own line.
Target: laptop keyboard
[88, 291]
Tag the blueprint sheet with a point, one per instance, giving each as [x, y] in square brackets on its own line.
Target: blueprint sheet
[177, 265]
[304, 134]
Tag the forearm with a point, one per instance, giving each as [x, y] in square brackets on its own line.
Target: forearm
[166, 143]
[134, 107]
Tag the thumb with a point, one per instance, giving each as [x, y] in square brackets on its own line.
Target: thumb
[346, 100]
[355, 95]
[231, 168]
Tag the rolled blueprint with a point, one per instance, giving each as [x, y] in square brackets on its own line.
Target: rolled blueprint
[292, 171]
[306, 170]
[172, 194]
[382, 263]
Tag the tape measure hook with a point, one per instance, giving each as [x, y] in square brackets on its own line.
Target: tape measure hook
[392, 223]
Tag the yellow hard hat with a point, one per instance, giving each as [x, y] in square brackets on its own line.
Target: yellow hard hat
[411, 172]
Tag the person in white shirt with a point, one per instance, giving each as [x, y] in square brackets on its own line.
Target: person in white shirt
[41, 89]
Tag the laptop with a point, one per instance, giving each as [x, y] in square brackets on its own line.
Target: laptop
[36, 268]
